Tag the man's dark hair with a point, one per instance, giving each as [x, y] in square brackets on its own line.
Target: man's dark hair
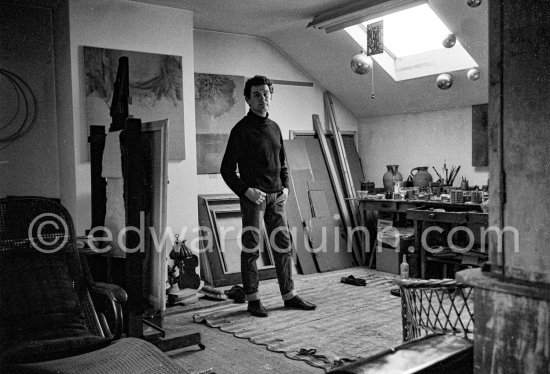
[257, 80]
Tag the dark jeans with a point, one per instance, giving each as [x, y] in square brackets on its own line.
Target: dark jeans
[272, 212]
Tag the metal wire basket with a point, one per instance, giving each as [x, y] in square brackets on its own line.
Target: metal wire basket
[436, 306]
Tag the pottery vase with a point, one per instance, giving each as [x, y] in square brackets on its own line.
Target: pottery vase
[422, 177]
[390, 177]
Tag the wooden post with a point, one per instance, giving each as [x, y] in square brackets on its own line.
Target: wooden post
[512, 295]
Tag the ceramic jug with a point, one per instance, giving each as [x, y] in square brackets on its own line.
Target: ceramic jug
[391, 176]
[422, 177]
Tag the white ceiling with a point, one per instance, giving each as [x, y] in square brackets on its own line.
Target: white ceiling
[326, 57]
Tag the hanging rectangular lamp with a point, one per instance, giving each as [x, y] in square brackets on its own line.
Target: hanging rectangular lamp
[359, 12]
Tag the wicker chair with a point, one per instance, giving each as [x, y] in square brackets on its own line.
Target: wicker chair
[48, 323]
[436, 306]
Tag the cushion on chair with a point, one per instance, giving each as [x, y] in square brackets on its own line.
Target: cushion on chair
[45, 296]
[29, 350]
[42, 320]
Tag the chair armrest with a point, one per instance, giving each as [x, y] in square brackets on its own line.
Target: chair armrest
[112, 291]
[116, 296]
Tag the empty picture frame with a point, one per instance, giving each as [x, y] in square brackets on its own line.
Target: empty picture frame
[220, 222]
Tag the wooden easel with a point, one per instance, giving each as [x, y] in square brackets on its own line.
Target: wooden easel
[128, 272]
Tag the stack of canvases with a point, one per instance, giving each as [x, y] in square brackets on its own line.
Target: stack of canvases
[320, 234]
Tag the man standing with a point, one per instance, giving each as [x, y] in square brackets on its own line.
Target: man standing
[255, 145]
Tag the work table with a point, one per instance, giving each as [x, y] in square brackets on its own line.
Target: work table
[402, 205]
[427, 214]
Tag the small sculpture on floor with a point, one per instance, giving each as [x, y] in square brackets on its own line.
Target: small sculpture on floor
[182, 276]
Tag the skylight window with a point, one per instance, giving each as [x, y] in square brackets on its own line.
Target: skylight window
[413, 46]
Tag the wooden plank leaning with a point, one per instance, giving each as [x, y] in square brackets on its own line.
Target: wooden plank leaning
[344, 164]
[340, 199]
[340, 150]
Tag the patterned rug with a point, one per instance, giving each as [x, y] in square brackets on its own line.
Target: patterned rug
[349, 322]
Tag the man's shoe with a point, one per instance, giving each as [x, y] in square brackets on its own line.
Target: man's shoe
[298, 303]
[256, 308]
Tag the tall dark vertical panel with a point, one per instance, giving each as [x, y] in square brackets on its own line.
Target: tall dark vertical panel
[480, 145]
[98, 185]
[354, 161]
[133, 181]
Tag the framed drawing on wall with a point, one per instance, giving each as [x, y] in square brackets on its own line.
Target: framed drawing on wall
[210, 150]
[155, 91]
[219, 105]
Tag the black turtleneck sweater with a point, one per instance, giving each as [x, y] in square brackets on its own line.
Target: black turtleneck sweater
[255, 145]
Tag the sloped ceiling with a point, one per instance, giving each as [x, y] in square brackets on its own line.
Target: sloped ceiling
[326, 57]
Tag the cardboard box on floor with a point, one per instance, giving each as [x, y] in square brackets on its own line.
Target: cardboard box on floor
[391, 244]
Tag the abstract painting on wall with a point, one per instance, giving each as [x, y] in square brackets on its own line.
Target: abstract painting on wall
[155, 91]
[375, 38]
[219, 105]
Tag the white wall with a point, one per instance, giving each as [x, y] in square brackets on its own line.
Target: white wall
[144, 28]
[423, 139]
[154, 29]
[64, 106]
[26, 49]
[53, 160]
[292, 106]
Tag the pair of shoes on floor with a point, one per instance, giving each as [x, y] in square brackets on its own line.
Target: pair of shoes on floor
[354, 281]
[298, 303]
[256, 308]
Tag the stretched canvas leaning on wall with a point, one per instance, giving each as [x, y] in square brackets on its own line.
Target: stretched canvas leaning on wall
[155, 91]
[219, 105]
